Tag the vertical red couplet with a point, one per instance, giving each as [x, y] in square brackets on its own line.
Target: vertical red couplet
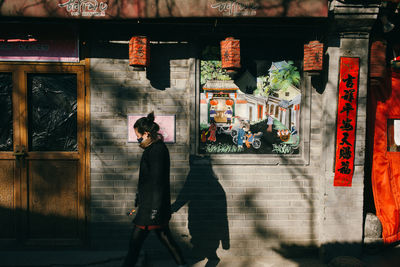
[346, 120]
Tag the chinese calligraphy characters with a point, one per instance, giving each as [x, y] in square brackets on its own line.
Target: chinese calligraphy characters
[346, 121]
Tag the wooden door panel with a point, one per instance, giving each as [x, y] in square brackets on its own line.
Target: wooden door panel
[55, 153]
[43, 188]
[9, 183]
[7, 207]
[53, 194]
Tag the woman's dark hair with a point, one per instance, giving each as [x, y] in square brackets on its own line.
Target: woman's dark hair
[147, 124]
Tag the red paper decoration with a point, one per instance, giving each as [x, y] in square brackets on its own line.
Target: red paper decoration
[139, 52]
[229, 102]
[313, 56]
[230, 54]
[346, 120]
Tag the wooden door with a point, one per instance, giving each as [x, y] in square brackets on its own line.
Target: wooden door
[9, 173]
[43, 170]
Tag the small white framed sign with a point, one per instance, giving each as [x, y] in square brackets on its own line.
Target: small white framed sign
[166, 123]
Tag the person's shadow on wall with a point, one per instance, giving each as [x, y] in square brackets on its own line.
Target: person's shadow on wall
[207, 211]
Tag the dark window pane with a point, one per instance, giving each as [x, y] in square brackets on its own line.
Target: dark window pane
[52, 112]
[6, 116]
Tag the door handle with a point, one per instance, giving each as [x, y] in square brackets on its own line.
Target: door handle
[19, 151]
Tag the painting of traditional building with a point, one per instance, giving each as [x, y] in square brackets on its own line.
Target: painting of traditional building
[266, 121]
[222, 102]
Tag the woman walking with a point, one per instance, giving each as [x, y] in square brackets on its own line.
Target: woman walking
[153, 198]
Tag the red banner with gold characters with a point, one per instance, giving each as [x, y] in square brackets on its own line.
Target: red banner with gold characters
[346, 120]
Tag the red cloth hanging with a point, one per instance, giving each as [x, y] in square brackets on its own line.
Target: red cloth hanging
[386, 165]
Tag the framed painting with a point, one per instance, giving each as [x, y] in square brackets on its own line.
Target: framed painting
[255, 111]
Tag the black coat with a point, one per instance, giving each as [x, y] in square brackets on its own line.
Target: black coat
[154, 199]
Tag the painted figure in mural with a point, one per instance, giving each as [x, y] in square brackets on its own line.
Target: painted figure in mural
[270, 121]
[249, 139]
[213, 132]
[153, 197]
[204, 136]
[229, 114]
[240, 136]
[213, 113]
[293, 129]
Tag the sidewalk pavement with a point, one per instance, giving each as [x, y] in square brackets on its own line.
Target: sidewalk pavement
[114, 259]
[389, 257]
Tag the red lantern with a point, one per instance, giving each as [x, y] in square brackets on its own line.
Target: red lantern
[213, 102]
[139, 52]
[230, 54]
[229, 102]
[313, 56]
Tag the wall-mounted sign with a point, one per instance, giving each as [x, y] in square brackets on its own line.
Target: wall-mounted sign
[85, 8]
[346, 120]
[49, 45]
[138, 9]
[166, 123]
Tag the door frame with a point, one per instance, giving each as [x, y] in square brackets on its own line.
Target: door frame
[18, 194]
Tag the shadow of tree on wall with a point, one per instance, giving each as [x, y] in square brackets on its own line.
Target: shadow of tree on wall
[118, 162]
[207, 211]
[207, 214]
[159, 70]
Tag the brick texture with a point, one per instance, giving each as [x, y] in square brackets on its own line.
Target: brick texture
[231, 209]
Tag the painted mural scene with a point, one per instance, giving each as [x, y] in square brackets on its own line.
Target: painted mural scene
[250, 112]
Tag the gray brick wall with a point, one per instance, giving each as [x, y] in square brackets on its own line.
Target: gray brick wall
[342, 207]
[266, 206]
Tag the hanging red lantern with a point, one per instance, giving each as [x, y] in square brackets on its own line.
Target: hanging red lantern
[139, 52]
[229, 102]
[230, 54]
[213, 102]
[313, 56]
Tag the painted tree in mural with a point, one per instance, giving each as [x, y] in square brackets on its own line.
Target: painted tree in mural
[211, 68]
[262, 86]
[281, 78]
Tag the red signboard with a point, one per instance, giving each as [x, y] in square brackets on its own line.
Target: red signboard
[346, 120]
[135, 9]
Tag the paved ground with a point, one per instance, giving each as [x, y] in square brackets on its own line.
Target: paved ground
[389, 257]
[114, 259]
[61, 258]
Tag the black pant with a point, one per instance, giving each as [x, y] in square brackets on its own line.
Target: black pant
[137, 239]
